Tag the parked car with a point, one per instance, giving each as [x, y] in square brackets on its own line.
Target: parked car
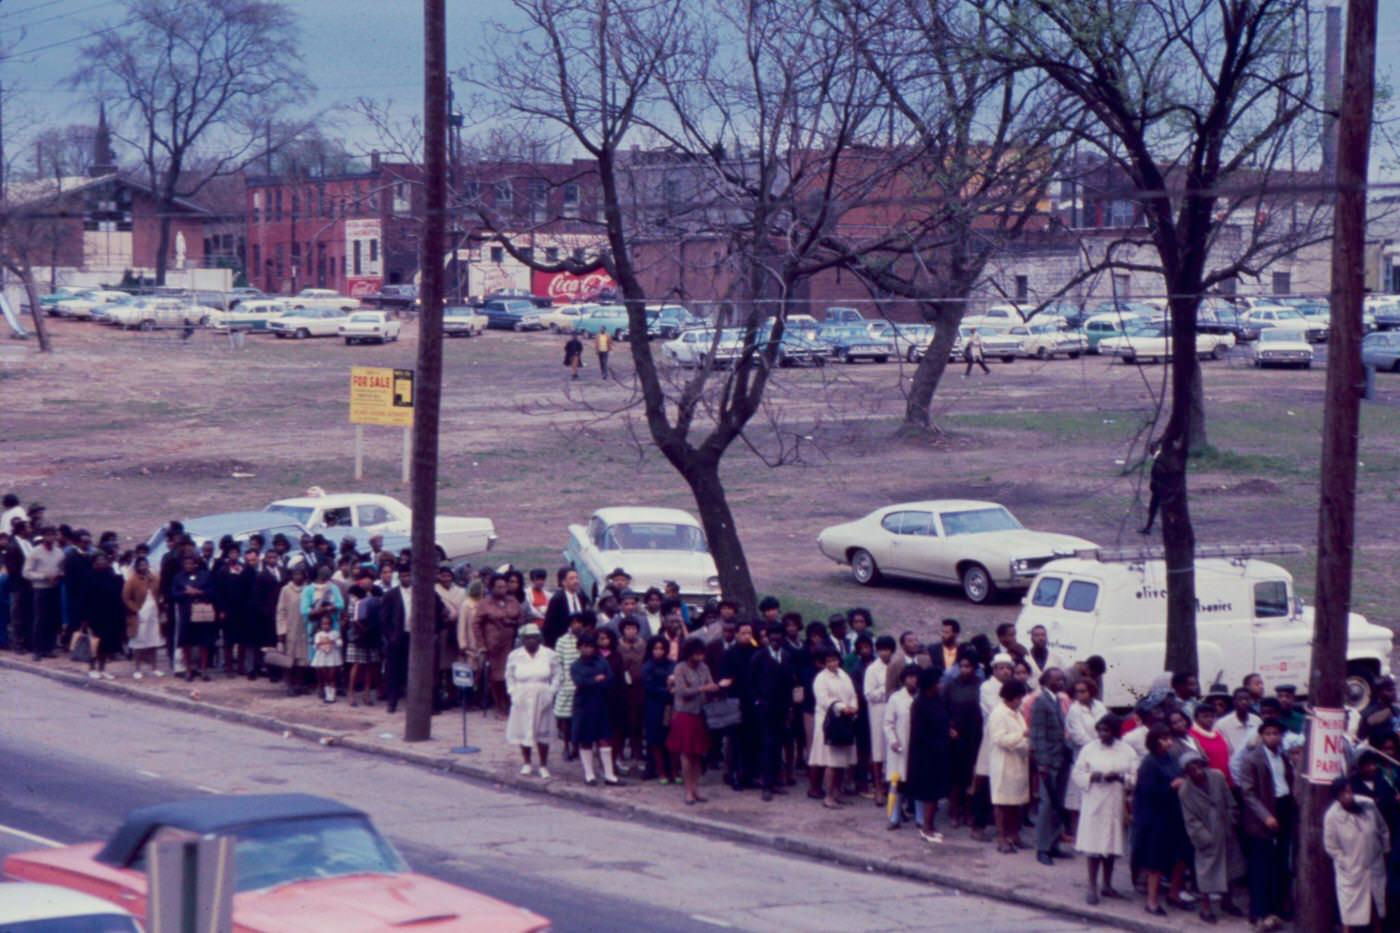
[155, 314]
[238, 525]
[518, 314]
[83, 304]
[611, 319]
[364, 514]
[1263, 317]
[308, 322]
[852, 342]
[978, 545]
[394, 296]
[998, 317]
[369, 327]
[301, 862]
[28, 907]
[250, 314]
[1072, 316]
[1382, 350]
[1004, 345]
[562, 318]
[1152, 343]
[1283, 346]
[1248, 619]
[667, 321]
[1384, 310]
[1048, 340]
[911, 341]
[652, 544]
[699, 347]
[1111, 324]
[463, 321]
[798, 346]
[842, 316]
[245, 293]
[327, 298]
[48, 303]
[1218, 316]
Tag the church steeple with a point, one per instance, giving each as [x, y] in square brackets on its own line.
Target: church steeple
[104, 161]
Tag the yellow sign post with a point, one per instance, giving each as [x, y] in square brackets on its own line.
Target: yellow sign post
[383, 396]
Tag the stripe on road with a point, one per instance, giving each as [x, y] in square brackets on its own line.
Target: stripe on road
[30, 837]
[711, 921]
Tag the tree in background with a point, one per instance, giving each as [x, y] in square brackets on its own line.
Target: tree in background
[196, 84]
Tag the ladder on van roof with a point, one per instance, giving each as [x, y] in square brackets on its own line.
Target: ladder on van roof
[1146, 552]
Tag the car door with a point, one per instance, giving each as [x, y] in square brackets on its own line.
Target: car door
[918, 545]
[1282, 641]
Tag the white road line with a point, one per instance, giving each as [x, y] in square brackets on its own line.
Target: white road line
[144, 773]
[207, 789]
[30, 837]
[711, 921]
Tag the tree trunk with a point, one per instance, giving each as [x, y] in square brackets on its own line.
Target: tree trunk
[163, 247]
[1199, 440]
[918, 418]
[41, 328]
[1169, 486]
[723, 535]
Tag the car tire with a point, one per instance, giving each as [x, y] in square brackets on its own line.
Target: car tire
[882, 359]
[518, 327]
[1395, 367]
[301, 333]
[1074, 354]
[1129, 359]
[1307, 365]
[554, 328]
[1220, 352]
[1042, 354]
[977, 584]
[864, 568]
[1008, 359]
[620, 335]
[820, 361]
[911, 355]
[348, 341]
[146, 326]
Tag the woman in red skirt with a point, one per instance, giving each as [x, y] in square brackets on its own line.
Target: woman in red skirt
[691, 684]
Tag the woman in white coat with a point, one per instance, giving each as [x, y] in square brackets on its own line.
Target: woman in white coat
[1009, 770]
[1103, 772]
[1085, 710]
[989, 698]
[533, 675]
[895, 725]
[832, 690]
[875, 699]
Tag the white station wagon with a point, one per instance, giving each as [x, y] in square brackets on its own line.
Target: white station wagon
[977, 545]
[652, 544]
[365, 514]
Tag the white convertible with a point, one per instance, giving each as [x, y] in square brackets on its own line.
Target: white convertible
[364, 514]
[978, 545]
[652, 544]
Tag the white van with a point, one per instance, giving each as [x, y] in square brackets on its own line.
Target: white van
[1248, 619]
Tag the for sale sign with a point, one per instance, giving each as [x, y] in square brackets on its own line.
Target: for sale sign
[564, 288]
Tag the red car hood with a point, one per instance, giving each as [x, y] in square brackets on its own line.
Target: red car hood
[378, 903]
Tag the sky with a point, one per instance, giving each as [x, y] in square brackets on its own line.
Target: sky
[352, 48]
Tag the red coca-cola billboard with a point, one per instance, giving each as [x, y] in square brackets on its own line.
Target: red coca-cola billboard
[563, 288]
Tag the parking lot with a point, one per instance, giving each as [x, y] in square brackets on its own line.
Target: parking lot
[125, 430]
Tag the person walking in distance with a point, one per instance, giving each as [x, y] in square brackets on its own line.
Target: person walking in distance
[603, 346]
[972, 354]
[573, 355]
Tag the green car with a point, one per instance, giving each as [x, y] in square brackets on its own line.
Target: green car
[610, 318]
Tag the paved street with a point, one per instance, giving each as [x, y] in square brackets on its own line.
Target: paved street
[75, 762]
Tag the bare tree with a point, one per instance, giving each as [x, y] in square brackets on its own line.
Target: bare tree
[1199, 104]
[196, 82]
[758, 121]
[990, 139]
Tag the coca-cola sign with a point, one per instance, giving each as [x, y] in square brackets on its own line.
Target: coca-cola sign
[564, 288]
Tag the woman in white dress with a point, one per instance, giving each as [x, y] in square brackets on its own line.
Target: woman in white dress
[533, 675]
[1009, 770]
[875, 699]
[989, 698]
[1086, 710]
[832, 690]
[1103, 772]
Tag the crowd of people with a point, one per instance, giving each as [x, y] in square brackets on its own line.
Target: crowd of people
[1195, 791]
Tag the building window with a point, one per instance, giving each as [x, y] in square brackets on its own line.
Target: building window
[277, 205]
[1122, 285]
[498, 254]
[578, 254]
[373, 251]
[403, 203]
[1023, 288]
[1121, 214]
[296, 251]
[470, 190]
[257, 207]
[571, 199]
[357, 256]
[505, 194]
[1283, 283]
[257, 256]
[551, 254]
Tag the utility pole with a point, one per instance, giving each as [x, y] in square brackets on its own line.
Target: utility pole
[418, 722]
[1336, 523]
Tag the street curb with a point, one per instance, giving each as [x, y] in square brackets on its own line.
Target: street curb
[598, 800]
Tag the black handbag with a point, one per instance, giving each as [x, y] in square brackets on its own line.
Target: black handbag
[838, 730]
[723, 714]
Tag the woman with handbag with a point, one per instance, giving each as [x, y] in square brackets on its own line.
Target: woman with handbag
[834, 738]
[691, 684]
[143, 617]
[195, 627]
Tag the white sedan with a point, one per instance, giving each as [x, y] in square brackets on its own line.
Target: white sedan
[698, 346]
[83, 304]
[652, 544]
[1152, 343]
[363, 326]
[977, 545]
[1283, 346]
[1044, 341]
[307, 322]
[463, 321]
[155, 313]
[561, 319]
[366, 514]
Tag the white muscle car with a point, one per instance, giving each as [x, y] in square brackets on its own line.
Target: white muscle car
[463, 321]
[978, 545]
[307, 322]
[1283, 346]
[652, 544]
[1044, 341]
[1153, 343]
[322, 298]
[365, 514]
[369, 326]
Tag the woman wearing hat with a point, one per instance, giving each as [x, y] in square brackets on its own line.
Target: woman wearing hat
[533, 676]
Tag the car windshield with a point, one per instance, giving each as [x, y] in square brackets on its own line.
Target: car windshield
[654, 536]
[978, 521]
[85, 923]
[1277, 335]
[271, 854]
[302, 513]
[364, 319]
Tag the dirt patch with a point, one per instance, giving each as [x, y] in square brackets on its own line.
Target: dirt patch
[1250, 487]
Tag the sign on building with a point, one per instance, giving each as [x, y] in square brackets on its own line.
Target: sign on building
[564, 288]
[364, 257]
[380, 395]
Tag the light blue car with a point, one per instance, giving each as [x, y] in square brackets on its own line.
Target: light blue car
[243, 525]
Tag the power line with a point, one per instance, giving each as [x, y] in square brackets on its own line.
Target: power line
[27, 54]
[57, 16]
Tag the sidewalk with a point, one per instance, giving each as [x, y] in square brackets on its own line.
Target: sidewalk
[855, 836]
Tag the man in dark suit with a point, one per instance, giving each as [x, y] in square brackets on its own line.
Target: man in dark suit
[943, 657]
[394, 616]
[1266, 789]
[267, 587]
[567, 601]
[772, 677]
[1050, 749]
